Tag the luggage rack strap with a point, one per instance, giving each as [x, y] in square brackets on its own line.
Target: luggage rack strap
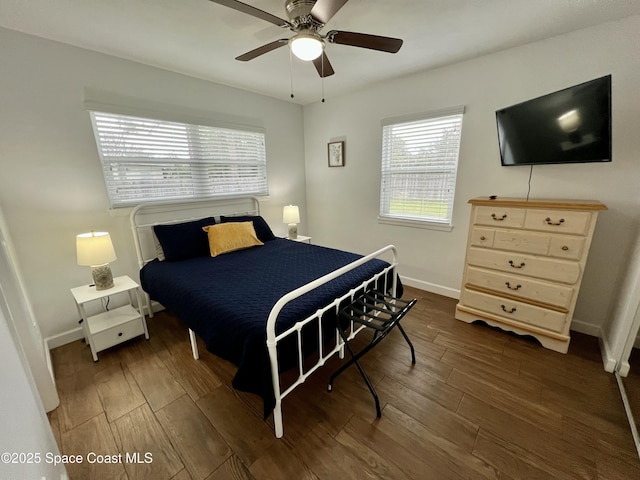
[377, 310]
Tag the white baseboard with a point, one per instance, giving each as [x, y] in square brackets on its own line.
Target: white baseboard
[155, 307]
[57, 341]
[63, 338]
[430, 287]
[608, 360]
[579, 326]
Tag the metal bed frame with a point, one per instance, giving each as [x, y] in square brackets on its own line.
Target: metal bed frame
[145, 216]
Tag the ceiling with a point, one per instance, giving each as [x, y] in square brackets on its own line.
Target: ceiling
[201, 39]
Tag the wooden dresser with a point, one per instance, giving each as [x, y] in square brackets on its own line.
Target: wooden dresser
[524, 265]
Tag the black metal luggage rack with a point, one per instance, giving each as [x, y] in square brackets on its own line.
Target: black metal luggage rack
[381, 313]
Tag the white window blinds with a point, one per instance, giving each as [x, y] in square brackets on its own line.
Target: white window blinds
[419, 164]
[146, 159]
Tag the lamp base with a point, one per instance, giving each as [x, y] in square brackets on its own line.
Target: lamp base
[293, 231]
[102, 277]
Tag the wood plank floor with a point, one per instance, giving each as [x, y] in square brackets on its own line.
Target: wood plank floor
[479, 404]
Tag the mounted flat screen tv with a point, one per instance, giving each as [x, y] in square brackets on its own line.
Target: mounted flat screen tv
[569, 126]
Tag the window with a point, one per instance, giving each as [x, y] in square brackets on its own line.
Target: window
[146, 159]
[419, 163]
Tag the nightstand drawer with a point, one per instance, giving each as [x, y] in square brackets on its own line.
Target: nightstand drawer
[116, 335]
[114, 327]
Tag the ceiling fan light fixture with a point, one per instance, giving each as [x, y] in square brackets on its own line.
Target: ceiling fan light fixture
[307, 46]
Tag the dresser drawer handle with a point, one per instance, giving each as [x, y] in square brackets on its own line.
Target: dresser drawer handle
[555, 224]
[565, 248]
[495, 217]
[504, 309]
[517, 287]
[483, 238]
[516, 266]
[119, 334]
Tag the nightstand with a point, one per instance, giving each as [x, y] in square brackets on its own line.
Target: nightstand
[301, 238]
[115, 326]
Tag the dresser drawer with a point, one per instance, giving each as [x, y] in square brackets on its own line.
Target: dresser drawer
[500, 216]
[522, 241]
[546, 268]
[565, 246]
[522, 287]
[514, 310]
[560, 246]
[558, 221]
[482, 237]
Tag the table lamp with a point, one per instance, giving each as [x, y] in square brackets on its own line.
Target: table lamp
[95, 250]
[291, 216]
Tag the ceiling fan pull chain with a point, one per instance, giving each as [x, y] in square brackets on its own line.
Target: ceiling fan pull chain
[322, 77]
[291, 72]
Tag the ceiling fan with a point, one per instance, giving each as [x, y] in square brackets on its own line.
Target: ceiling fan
[306, 18]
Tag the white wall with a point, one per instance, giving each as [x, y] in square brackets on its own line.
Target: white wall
[23, 423]
[27, 386]
[343, 202]
[51, 186]
[19, 314]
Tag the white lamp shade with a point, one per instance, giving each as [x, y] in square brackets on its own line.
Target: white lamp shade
[306, 46]
[94, 248]
[291, 214]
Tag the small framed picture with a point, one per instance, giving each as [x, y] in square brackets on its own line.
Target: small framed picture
[336, 154]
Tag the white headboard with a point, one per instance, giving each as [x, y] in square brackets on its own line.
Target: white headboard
[145, 216]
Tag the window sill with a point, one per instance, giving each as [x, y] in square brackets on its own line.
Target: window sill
[416, 224]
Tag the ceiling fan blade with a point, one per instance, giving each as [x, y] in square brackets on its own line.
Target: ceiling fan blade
[364, 40]
[262, 50]
[323, 66]
[253, 11]
[324, 10]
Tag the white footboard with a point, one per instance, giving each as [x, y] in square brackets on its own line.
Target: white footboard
[273, 339]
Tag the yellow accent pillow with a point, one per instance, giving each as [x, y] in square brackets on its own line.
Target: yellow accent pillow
[228, 237]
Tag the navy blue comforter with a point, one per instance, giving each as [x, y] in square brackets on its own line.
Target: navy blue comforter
[226, 300]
